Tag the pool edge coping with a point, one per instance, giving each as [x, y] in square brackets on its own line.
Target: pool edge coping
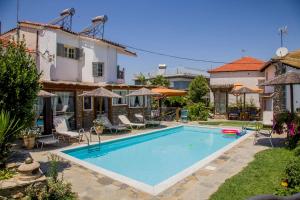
[164, 185]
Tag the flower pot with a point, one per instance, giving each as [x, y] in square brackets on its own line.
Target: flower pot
[29, 141]
[99, 129]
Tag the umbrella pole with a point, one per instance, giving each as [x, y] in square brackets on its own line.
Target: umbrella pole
[292, 98]
[244, 102]
[144, 109]
[100, 104]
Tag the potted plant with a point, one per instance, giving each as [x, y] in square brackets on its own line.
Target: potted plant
[29, 136]
[99, 126]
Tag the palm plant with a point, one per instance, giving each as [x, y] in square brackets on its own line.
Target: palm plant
[10, 127]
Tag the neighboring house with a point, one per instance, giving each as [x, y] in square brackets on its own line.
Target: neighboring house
[71, 64]
[277, 98]
[179, 79]
[245, 71]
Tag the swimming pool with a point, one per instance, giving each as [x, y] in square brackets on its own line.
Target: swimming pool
[155, 160]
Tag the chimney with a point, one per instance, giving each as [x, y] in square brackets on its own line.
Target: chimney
[162, 69]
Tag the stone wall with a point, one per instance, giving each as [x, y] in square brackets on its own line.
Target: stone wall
[116, 111]
[279, 103]
[125, 110]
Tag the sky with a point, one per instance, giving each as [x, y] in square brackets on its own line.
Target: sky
[213, 29]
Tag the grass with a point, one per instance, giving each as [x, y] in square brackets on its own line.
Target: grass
[228, 123]
[261, 176]
[6, 174]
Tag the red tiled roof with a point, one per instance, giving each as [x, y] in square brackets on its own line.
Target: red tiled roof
[243, 64]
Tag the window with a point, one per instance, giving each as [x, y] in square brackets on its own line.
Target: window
[120, 101]
[98, 69]
[139, 101]
[87, 103]
[69, 52]
[64, 106]
[181, 84]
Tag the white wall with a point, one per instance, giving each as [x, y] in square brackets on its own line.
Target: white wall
[296, 92]
[269, 74]
[47, 43]
[247, 78]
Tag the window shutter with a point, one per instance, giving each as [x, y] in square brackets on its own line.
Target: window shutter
[77, 53]
[60, 50]
[95, 69]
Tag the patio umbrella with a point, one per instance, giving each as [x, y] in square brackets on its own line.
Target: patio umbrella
[43, 93]
[100, 92]
[166, 92]
[143, 92]
[244, 90]
[290, 78]
[169, 92]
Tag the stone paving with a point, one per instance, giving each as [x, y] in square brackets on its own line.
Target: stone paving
[200, 185]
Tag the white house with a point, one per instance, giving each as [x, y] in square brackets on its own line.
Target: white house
[180, 78]
[244, 71]
[72, 63]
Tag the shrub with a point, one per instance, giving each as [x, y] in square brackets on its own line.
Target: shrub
[198, 89]
[292, 171]
[6, 174]
[176, 101]
[55, 187]
[10, 127]
[19, 81]
[297, 151]
[198, 111]
[160, 80]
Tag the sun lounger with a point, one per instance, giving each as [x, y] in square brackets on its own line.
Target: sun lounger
[145, 121]
[61, 128]
[126, 122]
[267, 122]
[107, 124]
[46, 140]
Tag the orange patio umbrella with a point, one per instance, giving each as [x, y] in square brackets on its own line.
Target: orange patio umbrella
[169, 92]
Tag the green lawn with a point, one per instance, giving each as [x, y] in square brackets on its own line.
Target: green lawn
[228, 123]
[261, 176]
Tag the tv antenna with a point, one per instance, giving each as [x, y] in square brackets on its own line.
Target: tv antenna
[282, 30]
[65, 19]
[97, 27]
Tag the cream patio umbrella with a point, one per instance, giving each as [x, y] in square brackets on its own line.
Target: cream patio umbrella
[43, 93]
[244, 90]
[143, 92]
[100, 92]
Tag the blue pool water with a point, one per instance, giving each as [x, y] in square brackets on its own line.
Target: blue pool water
[155, 157]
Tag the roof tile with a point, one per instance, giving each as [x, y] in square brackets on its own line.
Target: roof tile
[242, 64]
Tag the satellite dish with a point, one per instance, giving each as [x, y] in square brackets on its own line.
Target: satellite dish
[282, 51]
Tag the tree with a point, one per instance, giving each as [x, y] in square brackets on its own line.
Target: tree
[198, 89]
[141, 79]
[159, 80]
[19, 81]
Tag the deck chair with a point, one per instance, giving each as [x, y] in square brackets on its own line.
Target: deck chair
[62, 128]
[108, 125]
[267, 122]
[129, 124]
[141, 119]
[184, 115]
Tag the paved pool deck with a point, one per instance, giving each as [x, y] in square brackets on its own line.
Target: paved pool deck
[200, 185]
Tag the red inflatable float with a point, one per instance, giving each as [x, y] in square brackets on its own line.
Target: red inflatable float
[230, 131]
